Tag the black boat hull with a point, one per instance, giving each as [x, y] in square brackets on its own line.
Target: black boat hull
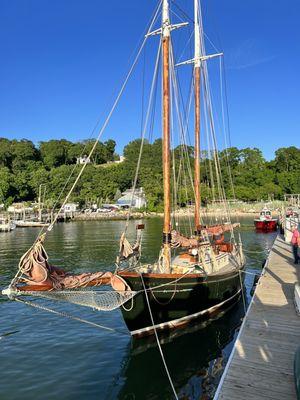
[175, 302]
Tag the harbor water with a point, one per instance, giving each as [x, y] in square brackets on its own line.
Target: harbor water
[45, 356]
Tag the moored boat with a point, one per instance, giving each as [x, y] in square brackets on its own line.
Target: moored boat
[290, 215]
[266, 222]
[180, 300]
[6, 225]
[195, 275]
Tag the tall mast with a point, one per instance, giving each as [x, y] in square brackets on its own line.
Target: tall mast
[166, 136]
[197, 83]
[39, 200]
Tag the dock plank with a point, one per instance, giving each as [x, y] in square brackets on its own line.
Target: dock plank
[261, 365]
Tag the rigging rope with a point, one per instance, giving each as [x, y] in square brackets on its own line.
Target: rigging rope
[107, 118]
[157, 340]
[152, 90]
[72, 317]
[98, 137]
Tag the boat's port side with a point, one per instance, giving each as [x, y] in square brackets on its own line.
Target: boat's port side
[176, 298]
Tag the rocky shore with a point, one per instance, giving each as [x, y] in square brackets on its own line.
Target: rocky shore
[183, 212]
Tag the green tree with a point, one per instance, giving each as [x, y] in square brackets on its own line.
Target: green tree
[287, 159]
[5, 153]
[6, 189]
[23, 151]
[55, 153]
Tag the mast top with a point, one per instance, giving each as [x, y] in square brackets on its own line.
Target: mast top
[165, 19]
[199, 57]
[166, 27]
[197, 60]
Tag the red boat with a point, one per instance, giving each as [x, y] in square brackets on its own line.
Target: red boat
[265, 222]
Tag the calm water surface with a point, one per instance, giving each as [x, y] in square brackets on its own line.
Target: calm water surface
[43, 356]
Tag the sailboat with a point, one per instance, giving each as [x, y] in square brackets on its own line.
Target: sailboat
[6, 225]
[32, 222]
[195, 276]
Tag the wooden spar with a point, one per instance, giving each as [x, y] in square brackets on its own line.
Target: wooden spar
[197, 149]
[197, 82]
[48, 287]
[166, 137]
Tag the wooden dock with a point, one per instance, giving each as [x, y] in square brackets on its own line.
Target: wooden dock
[261, 363]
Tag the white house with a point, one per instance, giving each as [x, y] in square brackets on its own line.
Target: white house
[122, 159]
[83, 160]
[70, 207]
[138, 200]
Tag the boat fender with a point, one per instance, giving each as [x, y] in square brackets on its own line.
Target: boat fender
[194, 252]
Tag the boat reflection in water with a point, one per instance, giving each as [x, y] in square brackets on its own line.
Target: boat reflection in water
[196, 357]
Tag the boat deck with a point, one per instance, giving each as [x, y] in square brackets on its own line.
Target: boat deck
[261, 364]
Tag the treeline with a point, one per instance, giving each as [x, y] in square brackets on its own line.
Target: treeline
[24, 166]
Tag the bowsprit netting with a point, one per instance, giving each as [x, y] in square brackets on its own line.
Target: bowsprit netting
[96, 299]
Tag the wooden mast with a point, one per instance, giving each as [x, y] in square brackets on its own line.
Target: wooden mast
[197, 83]
[166, 136]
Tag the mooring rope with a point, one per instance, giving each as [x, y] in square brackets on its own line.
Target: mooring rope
[256, 252]
[243, 292]
[157, 339]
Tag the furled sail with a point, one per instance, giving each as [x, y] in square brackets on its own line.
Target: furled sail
[37, 271]
[178, 240]
[220, 229]
[215, 232]
[127, 251]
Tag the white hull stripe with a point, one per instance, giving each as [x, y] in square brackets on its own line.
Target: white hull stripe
[175, 322]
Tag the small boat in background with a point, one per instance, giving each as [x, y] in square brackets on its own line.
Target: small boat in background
[6, 225]
[290, 215]
[265, 222]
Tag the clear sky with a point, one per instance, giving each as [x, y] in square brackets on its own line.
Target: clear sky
[62, 62]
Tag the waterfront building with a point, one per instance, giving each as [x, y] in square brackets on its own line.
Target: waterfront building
[138, 200]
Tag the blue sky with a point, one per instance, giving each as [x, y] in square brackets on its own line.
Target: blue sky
[63, 61]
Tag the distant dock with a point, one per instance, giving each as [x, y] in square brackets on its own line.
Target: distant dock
[261, 363]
